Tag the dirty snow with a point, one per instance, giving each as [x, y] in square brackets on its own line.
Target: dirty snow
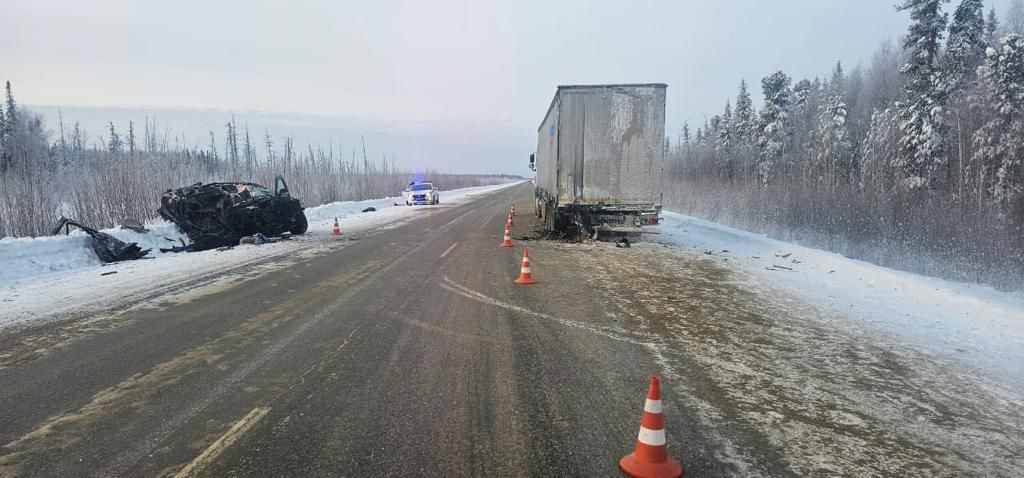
[778, 380]
[972, 324]
[48, 276]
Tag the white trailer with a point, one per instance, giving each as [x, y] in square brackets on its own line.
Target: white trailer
[600, 158]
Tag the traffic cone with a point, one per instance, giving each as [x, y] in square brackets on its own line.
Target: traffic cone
[507, 242]
[337, 230]
[513, 211]
[525, 277]
[650, 458]
[508, 223]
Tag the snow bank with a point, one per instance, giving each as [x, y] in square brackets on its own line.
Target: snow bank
[967, 322]
[26, 257]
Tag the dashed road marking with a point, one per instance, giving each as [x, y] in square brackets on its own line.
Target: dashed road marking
[487, 220]
[226, 440]
[449, 249]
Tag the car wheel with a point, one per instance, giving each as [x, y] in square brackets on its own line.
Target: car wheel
[299, 224]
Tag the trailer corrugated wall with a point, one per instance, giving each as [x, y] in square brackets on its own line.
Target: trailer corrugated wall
[547, 151]
[611, 144]
[603, 144]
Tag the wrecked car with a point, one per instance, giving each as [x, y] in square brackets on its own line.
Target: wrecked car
[219, 214]
[107, 248]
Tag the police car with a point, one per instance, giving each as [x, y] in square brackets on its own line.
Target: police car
[421, 192]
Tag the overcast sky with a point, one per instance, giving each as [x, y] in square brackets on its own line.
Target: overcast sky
[481, 72]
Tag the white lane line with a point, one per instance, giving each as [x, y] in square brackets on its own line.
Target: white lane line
[486, 222]
[449, 249]
[226, 440]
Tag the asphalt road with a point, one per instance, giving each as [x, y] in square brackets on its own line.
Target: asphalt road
[408, 352]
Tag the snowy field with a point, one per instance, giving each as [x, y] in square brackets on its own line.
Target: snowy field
[46, 277]
[967, 323]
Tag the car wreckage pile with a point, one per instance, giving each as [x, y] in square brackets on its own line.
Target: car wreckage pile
[212, 215]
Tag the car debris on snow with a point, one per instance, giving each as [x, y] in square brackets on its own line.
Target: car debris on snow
[107, 248]
[134, 225]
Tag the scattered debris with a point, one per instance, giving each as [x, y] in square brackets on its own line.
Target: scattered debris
[108, 273]
[755, 257]
[219, 214]
[182, 248]
[624, 243]
[782, 267]
[108, 248]
[784, 256]
[371, 209]
[134, 225]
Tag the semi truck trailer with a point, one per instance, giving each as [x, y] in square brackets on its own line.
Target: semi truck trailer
[600, 159]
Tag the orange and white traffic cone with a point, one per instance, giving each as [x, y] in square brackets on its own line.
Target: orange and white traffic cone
[508, 223]
[525, 277]
[507, 241]
[650, 458]
[513, 210]
[337, 230]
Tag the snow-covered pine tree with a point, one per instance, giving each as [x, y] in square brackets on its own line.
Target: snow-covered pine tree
[803, 121]
[879, 151]
[114, 145]
[991, 28]
[834, 148]
[999, 149]
[922, 156]
[743, 136]
[965, 49]
[724, 152]
[773, 125]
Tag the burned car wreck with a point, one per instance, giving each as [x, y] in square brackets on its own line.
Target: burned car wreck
[219, 214]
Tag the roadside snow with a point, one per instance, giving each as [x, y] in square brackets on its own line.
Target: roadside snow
[969, 323]
[44, 277]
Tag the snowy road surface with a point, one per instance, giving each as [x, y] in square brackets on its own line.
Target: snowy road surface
[408, 350]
